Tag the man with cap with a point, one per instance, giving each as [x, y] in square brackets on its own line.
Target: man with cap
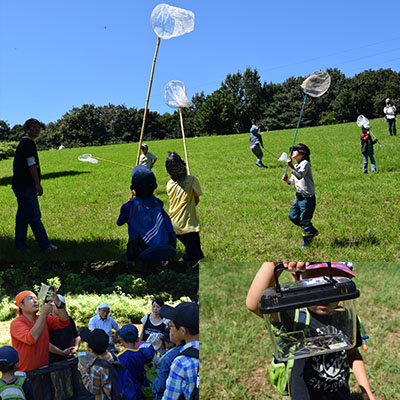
[9, 383]
[30, 332]
[131, 357]
[102, 320]
[390, 115]
[183, 376]
[146, 158]
[96, 376]
[149, 226]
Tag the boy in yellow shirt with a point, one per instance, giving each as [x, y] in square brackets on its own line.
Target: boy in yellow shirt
[183, 193]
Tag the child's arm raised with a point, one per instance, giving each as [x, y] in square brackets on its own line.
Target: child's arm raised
[357, 365]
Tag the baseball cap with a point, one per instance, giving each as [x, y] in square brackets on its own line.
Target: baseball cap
[346, 267]
[8, 355]
[129, 332]
[143, 181]
[97, 339]
[302, 148]
[144, 145]
[185, 314]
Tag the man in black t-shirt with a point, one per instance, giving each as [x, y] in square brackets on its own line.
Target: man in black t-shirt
[26, 186]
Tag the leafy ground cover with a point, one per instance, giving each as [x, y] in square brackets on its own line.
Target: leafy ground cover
[244, 209]
[235, 346]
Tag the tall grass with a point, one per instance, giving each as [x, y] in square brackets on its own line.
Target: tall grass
[244, 209]
[235, 346]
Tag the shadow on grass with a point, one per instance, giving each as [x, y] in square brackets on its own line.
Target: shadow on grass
[356, 241]
[68, 251]
[7, 180]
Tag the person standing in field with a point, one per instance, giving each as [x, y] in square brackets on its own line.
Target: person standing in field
[183, 193]
[303, 206]
[390, 115]
[27, 187]
[367, 149]
[146, 158]
[255, 143]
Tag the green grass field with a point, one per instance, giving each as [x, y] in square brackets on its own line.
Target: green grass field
[244, 209]
[235, 345]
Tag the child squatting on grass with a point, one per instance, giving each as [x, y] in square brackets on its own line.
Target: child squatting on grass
[321, 377]
[303, 206]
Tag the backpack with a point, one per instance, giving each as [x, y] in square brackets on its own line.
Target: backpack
[12, 391]
[280, 371]
[151, 235]
[193, 353]
[121, 381]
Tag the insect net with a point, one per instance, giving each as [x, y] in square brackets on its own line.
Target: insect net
[175, 95]
[362, 121]
[316, 84]
[168, 21]
[87, 158]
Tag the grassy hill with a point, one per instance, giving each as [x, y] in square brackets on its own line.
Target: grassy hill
[244, 209]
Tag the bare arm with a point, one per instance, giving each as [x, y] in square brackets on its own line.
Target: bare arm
[55, 350]
[37, 329]
[357, 365]
[35, 175]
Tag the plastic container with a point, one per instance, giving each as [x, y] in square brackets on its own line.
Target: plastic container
[44, 293]
[310, 317]
[85, 358]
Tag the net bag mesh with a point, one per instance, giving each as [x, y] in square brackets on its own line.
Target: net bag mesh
[361, 120]
[175, 95]
[87, 157]
[168, 21]
[316, 84]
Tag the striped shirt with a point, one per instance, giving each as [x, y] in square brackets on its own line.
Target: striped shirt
[182, 376]
[97, 379]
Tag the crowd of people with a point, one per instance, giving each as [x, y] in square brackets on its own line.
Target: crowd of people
[161, 362]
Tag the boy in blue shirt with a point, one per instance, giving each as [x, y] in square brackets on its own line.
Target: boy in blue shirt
[255, 142]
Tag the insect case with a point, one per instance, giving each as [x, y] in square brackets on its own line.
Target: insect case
[310, 317]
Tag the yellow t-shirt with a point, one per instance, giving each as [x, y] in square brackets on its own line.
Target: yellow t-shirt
[182, 207]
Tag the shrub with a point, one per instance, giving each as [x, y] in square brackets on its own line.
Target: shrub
[7, 149]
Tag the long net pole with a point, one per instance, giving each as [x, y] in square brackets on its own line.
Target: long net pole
[147, 100]
[112, 162]
[298, 124]
[184, 141]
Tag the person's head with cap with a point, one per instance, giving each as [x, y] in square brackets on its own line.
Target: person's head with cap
[9, 359]
[27, 302]
[103, 310]
[55, 310]
[143, 182]
[144, 147]
[303, 150]
[175, 166]
[321, 269]
[387, 101]
[97, 340]
[365, 128]
[129, 335]
[184, 321]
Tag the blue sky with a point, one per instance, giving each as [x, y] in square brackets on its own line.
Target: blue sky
[58, 54]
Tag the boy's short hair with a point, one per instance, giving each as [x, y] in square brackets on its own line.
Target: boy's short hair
[175, 166]
[185, 314]
[97, 339]
[8, 358]
[29, 122]
[143, 181]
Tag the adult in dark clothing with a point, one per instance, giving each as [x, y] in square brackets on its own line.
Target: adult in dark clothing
[64, 342]
[26, 186]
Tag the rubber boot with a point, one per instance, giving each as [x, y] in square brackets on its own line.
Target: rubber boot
[307, 239]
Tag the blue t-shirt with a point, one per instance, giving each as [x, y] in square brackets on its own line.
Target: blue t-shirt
[255, 137]
[133, 360]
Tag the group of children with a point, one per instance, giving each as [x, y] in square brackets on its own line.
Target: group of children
[303, 207]
[153, 232]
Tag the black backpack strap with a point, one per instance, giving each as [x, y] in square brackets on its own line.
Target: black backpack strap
[190, 352]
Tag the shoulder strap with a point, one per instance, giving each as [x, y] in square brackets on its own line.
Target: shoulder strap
[190, 352]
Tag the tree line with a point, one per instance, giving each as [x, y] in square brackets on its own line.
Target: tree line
[228, 110]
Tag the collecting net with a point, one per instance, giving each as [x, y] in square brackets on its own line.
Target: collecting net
[168, 21]
[87, 158]
[175, 95]
[316, 84]
[362, 121]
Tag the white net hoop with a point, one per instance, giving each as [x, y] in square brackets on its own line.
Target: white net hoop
[168, 21]
[283, 157]
[87, 158]
[316, 84]
[175, 95]
[361, 121]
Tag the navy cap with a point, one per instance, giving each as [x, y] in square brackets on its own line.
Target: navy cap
[129, 333]
[143, 181]
[8, 355]
[185, 314]
[97, 339]
[302, 148]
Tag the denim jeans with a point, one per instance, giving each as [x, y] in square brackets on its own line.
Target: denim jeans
[28, 213]
[302, 212]
[392, 126]
[370, 154]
